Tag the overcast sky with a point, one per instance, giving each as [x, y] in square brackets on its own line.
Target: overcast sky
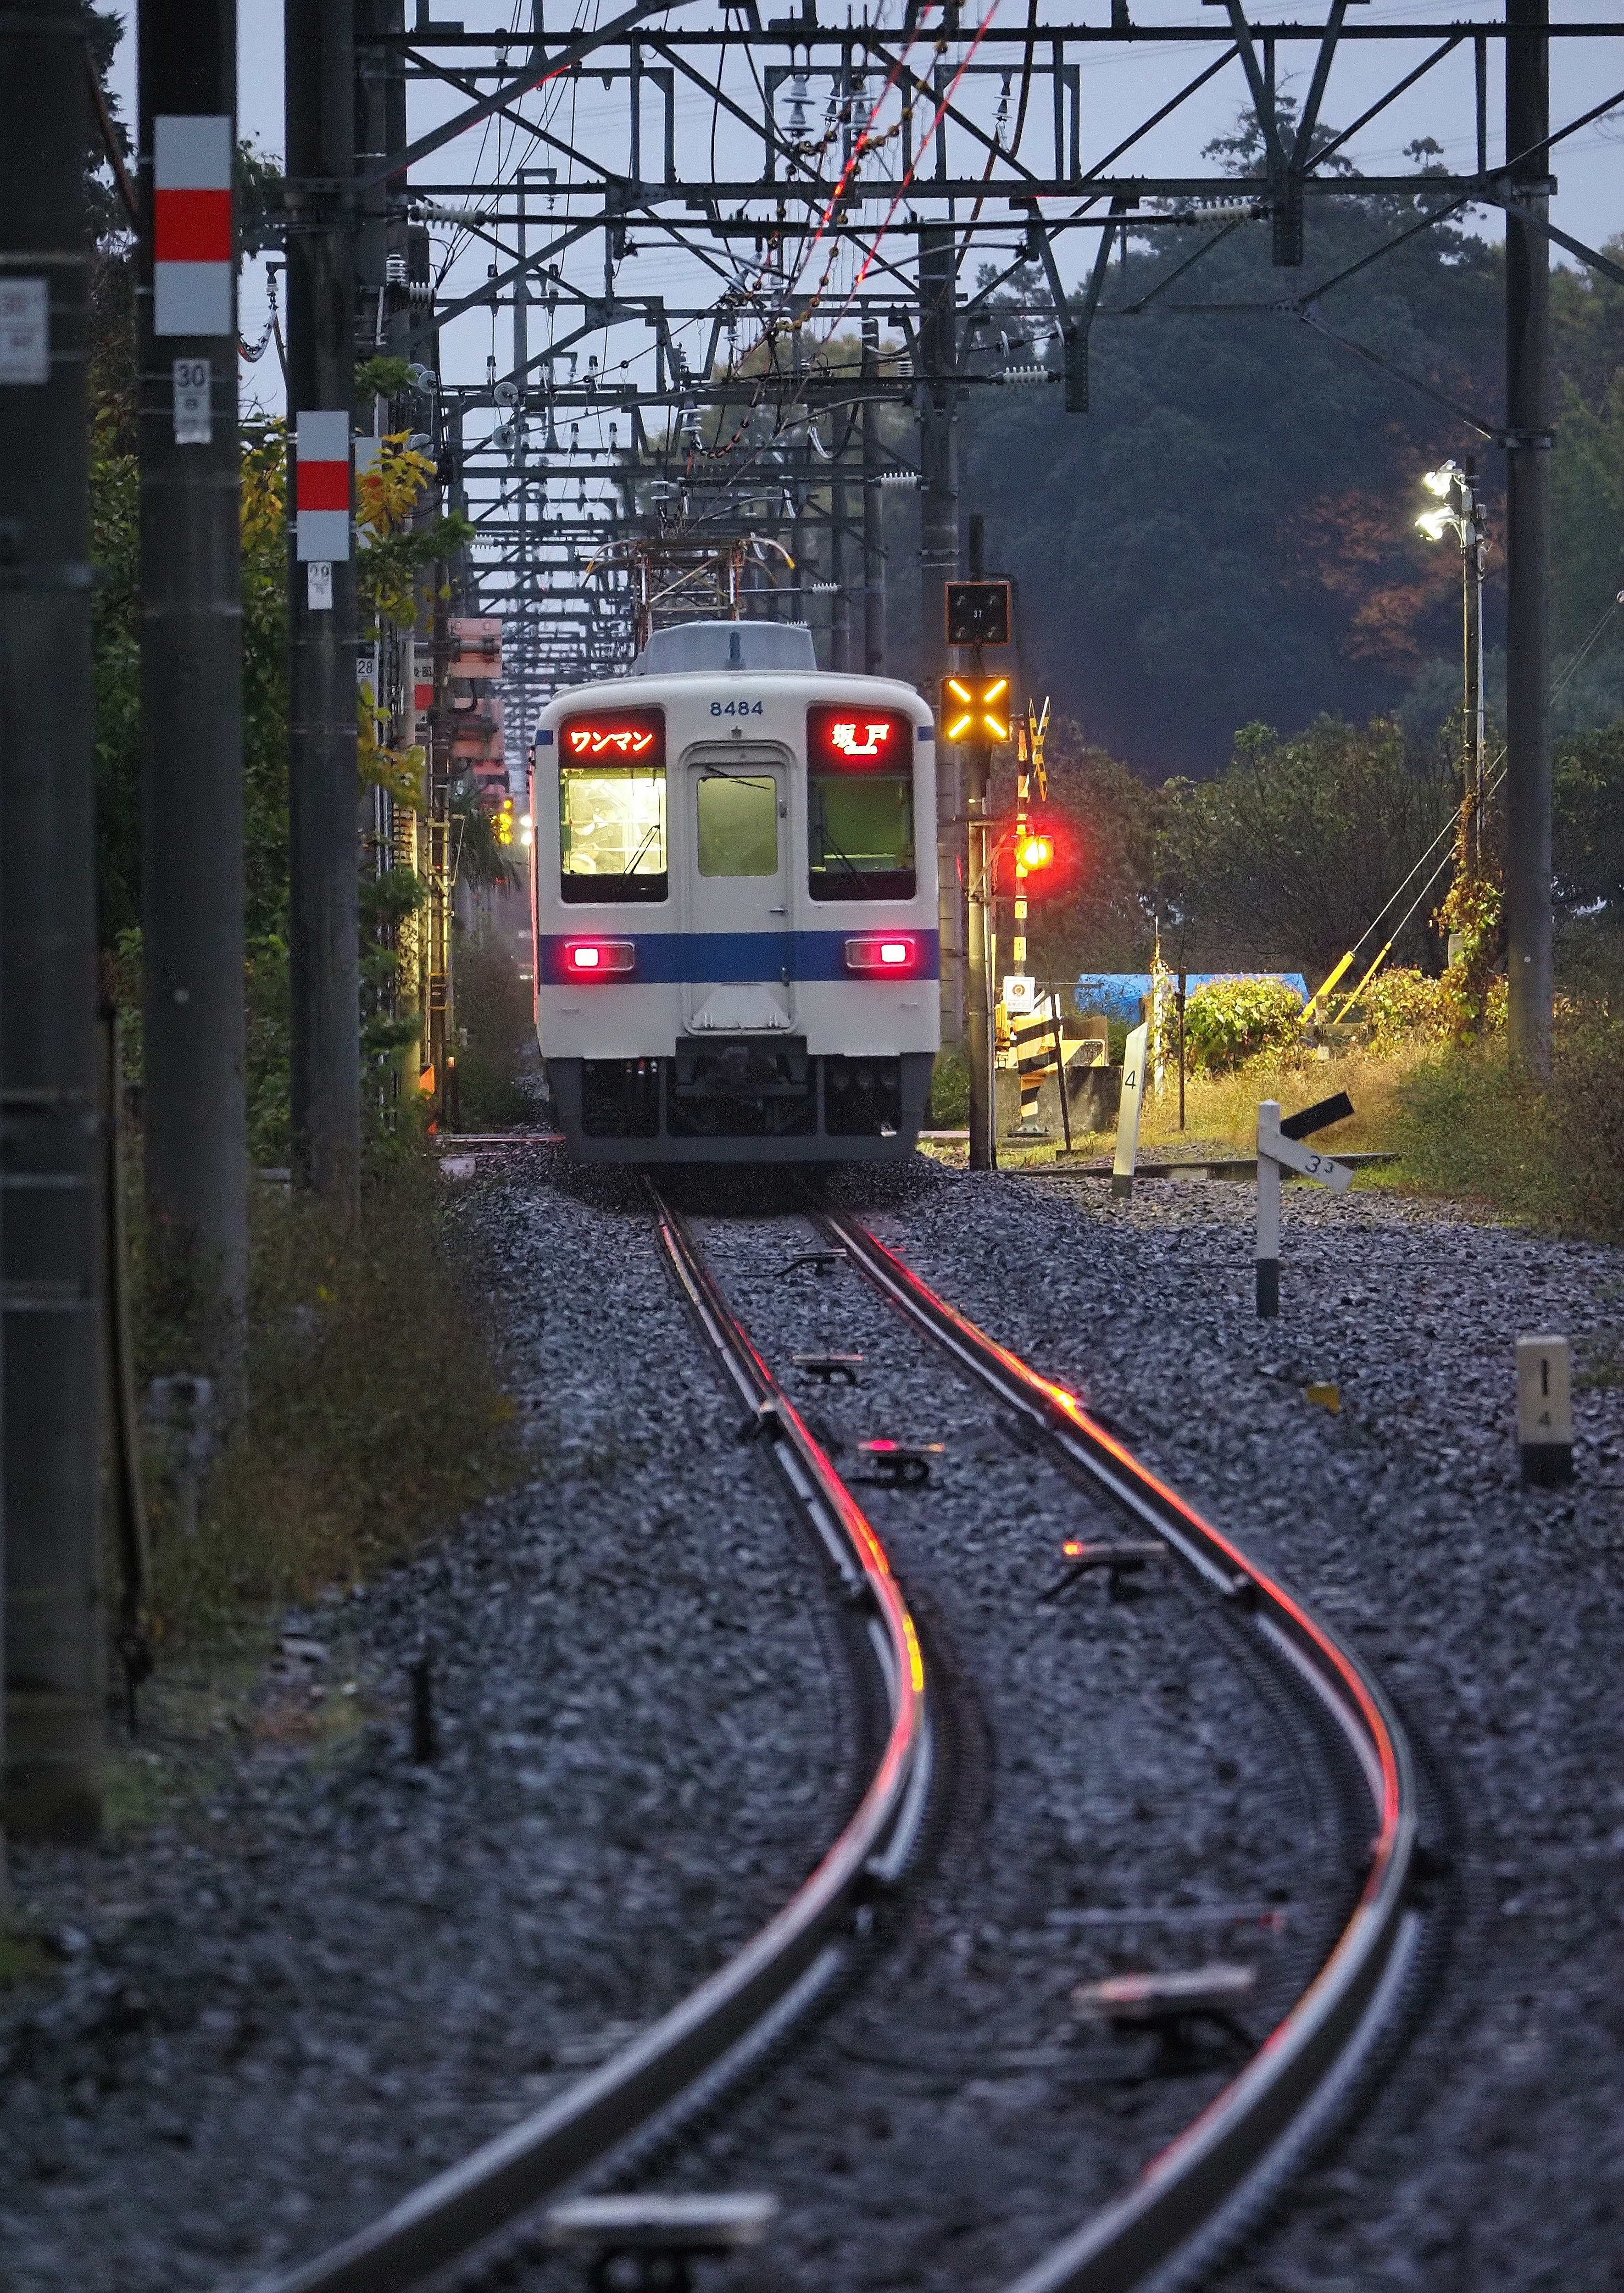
[1120, 87]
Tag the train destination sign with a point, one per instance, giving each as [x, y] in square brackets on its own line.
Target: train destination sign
[627, 736]
[859, 739]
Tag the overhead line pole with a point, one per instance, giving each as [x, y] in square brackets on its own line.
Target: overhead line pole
[193, 1102]
[323, 787]
[939, 564]
[1527, 544]
[50, 1094]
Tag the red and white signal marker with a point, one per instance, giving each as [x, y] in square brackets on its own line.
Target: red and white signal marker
[193, 258]
[321, 487]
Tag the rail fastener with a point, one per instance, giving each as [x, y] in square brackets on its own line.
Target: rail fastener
[844, 1367]
[644, 2242]
[1180, 1996]
[899, 1465]
[822, 1261]
[1120, 1557]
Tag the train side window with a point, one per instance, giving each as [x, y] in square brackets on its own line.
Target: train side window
[737, 825]
[612, 832]
[860, 839]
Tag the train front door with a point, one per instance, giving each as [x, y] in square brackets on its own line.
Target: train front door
[739, 831]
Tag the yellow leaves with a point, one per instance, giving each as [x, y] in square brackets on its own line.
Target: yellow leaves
[399, 771]
[386, 494]
[264, 491]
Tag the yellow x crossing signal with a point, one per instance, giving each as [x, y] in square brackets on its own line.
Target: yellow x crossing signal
[975, 709]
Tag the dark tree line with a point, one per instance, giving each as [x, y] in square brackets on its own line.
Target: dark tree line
[1228, 535]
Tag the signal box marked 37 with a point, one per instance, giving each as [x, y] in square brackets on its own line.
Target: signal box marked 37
[978, 613]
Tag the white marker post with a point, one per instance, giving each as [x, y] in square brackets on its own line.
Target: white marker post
[1275, 1151]
[1544, 1411]
[1268, 1210]
[1127, 1116]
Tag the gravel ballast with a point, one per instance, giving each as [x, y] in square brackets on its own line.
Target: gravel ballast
[339, 1972]
[1494, 1614]
[278, 2011]
[1116, 1794]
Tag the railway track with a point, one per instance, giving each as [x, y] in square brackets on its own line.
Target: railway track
[1199, 2193]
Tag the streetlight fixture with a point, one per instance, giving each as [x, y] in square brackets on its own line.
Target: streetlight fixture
[1460, 511]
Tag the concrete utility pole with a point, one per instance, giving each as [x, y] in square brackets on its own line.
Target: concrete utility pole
[55, 1650]
[939, 564]
[323, 791]
[194, 1110]
[874, 519]
[978, 864]
[1528, 543]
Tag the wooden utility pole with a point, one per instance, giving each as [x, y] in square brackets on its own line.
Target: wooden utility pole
[1528, 542]
[194, 1108]
[323, 789]
[50, 1095]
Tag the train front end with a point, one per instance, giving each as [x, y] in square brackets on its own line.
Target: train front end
[734, 897]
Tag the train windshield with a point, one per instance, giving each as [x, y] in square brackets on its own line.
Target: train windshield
[861, 824]
[611, 831]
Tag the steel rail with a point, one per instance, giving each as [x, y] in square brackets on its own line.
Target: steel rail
[1248, 2134]
[487, 2194]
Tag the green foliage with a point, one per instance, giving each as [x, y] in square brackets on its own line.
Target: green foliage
[387, 901]
[494, 1015]
[949, 1107]
[1475, 1126]
[1228, 534]
[1285, 858]
[264, 679]
[388, 570]
[1588, 823]
[383, 377]
[267, 1056]
[259, 198]
[1232, 1021]
[1404, 1007]
[482, 856]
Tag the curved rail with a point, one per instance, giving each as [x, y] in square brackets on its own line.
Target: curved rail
[1237, 2141]
[487, 2193]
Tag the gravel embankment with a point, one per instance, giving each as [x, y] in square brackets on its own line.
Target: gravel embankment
[281, 2007]
[335, 1972]
[1495, 1614]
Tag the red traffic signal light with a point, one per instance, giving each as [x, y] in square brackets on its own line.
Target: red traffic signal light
[1035, 852]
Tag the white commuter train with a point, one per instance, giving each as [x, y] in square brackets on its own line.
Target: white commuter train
[733, 895]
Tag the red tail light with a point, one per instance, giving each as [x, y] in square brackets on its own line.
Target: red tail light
[884, 951]
[597, 959]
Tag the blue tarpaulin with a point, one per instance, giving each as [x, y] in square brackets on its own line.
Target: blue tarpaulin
[1117, 993]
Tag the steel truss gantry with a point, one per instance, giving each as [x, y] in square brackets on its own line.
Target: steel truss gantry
[817, 195]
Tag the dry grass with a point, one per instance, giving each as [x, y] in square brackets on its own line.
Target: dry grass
[1221, 1111]
[375, 1412]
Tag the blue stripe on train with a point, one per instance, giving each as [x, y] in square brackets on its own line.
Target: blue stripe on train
[713, 958]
